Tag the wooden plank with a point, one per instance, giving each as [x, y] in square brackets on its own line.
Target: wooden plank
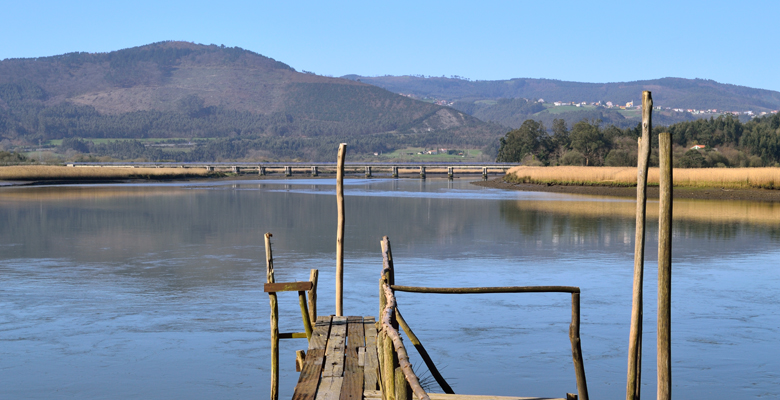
[330, 388]
[334, 351]
[361, 356]
[352, 389]
[287, 287]
[319, 337]
[292, 335]
[355, 336]
[306, 389]
[371, 364]
[443, 396]
[372, 394]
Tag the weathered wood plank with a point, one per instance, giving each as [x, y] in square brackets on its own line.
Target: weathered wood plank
[319, 337]
[372, 394]
[371, 364]
[352, 389]
[355, 336]
[287, 287]
[292, 335]
[361, 356]
[334, 351]
[306, 389]
[330, 388]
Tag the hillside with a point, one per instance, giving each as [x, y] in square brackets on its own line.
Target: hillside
[489, 100]
[186, 90]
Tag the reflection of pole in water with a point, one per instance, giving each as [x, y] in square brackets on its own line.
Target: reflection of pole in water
[450, 184]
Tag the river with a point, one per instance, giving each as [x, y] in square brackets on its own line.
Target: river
[155, 290]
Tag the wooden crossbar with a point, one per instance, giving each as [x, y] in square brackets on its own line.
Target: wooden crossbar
[287, 287]
[293, 335]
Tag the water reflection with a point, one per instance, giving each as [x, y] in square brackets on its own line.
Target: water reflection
[102, 287]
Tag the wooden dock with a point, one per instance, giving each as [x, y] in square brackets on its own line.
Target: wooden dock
[342, 363]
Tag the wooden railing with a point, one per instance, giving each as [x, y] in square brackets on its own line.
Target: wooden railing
[390, 317]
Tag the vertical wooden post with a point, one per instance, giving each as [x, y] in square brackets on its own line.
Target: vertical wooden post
[450, 173]
[313, 277]
[576, 347]
[422, 172]
[665, 268]
[402, 389]
[300, 358]
[269, 262]
[395, 172]
[634, 379]
[340, 231]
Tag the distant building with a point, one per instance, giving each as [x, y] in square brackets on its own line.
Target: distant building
[630, 104]
[609, 104]
[540, 101]
[698, 147]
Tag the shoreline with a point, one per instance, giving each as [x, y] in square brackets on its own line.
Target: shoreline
[713, 193]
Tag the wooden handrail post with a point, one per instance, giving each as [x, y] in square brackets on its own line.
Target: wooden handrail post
[313, 277]
[576, 347]
[340, 231]
[634, 378]
[665, 268]
[269, 262]
[305, 314]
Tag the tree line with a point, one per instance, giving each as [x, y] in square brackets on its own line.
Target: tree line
[723, 142]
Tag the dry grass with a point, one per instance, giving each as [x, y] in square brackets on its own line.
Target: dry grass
[732, 178]
[49, 172]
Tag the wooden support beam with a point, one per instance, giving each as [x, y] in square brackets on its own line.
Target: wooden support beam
[287, 287]
[576, 347]
[313, 277]
[634, 378]
[498, 289]
[340, 230]
[269, 262]
[665, 268]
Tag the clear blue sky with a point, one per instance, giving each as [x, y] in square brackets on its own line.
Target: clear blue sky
[606, 41]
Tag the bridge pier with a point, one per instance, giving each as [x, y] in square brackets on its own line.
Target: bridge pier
[261, 170]
[235, 169]
[422, 172]
[484, 173]
[314, 171]
[209, 168]
[395, 172]
[287, 171]
[368, 171]
[450, 173]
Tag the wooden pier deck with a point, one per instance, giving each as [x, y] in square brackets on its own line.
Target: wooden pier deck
[342, 363]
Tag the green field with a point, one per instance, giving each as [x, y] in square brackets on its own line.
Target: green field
[563, 109]
[411, 154]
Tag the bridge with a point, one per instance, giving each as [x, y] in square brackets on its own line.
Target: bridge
[315, 169]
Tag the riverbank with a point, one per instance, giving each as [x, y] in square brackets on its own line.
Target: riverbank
[712, 193]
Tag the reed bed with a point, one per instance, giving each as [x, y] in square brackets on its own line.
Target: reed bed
[731, 178]
[52, 172]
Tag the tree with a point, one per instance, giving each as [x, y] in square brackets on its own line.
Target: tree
[531, 138]
[588, 138]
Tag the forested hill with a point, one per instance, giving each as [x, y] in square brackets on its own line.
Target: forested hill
[667, 92]
[186, 90]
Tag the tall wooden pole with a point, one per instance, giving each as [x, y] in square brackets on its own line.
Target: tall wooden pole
[634, 380]
[340, 232]
[269, 262]
[665, 268]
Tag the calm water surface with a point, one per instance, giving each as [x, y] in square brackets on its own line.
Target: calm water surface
[155, 291]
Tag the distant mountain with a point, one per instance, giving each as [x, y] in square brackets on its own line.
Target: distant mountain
[488, 100]
[185, 90]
